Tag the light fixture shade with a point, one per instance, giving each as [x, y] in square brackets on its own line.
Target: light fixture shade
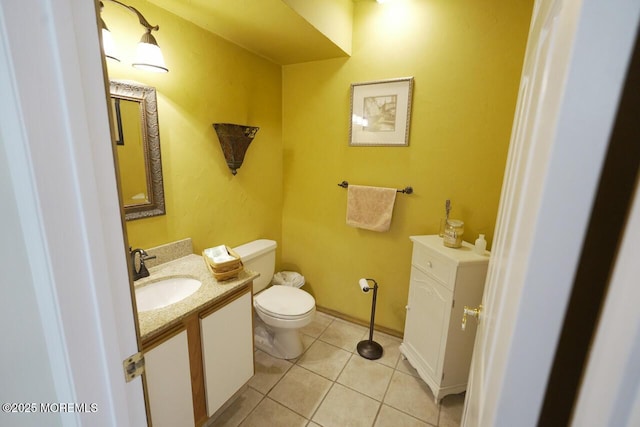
[108, 44]
[149, 56]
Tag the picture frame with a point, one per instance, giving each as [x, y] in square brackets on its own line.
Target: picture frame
[381, 112]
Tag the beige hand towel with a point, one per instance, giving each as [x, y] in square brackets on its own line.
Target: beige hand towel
[370, 207]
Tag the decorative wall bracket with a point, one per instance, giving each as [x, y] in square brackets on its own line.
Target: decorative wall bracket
[234, 140]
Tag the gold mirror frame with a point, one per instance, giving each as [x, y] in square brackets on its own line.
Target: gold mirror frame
[146, 96]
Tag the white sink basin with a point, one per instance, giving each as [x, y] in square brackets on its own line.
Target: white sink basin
[165, 292]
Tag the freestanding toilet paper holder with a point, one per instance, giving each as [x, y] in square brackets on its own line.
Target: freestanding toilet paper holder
[369, 349]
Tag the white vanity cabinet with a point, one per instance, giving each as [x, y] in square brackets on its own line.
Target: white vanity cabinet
[227, 350]
[443, 280]
[168, 379]
[200, 361]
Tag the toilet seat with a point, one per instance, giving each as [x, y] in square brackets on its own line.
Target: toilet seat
[284, 302]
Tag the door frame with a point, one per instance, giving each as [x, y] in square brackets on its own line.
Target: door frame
[58, 145]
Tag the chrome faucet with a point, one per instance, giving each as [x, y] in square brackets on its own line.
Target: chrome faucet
[141, 271]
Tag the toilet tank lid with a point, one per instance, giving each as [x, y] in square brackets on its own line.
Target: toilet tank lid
[250, 250]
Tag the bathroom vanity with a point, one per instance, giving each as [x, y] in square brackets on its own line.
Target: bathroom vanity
[199, 351]
[443, 281]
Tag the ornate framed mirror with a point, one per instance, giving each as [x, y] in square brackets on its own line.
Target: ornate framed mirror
[137, 136]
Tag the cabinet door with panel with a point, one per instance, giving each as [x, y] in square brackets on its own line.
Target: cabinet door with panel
[168, 378]
[428, 304]
[227, 350]
[443, 280]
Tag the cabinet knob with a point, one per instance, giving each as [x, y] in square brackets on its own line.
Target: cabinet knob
[429, 264]
[473, 312]
[406, 307]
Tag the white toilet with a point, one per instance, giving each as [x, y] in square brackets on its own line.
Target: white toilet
[281, 310]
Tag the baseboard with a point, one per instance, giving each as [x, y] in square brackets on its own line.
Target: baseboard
[348, 318]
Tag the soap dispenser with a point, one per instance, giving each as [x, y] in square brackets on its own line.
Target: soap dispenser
[481, 245]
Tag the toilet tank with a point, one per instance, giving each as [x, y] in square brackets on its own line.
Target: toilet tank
[259, 256]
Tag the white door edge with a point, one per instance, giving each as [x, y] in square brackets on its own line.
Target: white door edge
[64, 177]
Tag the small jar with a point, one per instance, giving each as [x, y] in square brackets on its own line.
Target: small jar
[453, 231]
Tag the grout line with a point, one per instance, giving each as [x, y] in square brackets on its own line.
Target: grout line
[286, 407]
[279, 379]
[384, 395]
[301, 367]
[321, 402]
[344, 367]
[252, 410]
[375, 419]
[292, 410]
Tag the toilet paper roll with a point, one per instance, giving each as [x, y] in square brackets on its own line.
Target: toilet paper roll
[364, 285]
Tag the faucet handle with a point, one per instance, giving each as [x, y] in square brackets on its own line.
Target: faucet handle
[145, 256]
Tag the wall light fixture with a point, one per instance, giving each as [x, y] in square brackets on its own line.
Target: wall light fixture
[234, 140]
[148, 54]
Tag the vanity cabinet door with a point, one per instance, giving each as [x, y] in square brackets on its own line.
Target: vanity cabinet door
[168, 379]
[227, 350]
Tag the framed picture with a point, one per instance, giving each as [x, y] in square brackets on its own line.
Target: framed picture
[381, 112]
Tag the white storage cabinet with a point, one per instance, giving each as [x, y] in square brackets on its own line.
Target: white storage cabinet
[443, 280]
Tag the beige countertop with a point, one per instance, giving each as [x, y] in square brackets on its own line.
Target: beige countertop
[156, 321]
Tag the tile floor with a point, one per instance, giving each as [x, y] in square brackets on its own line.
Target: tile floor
[331, 385]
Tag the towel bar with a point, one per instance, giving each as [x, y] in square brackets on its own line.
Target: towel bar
[406, 190]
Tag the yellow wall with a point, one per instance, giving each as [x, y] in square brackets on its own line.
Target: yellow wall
[210, 81]
[466, 59]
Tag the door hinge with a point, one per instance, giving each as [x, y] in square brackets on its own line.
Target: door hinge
[453, 303]
[133, 366]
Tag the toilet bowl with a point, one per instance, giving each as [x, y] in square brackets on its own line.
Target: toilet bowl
[283, 310]
[280, 310]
